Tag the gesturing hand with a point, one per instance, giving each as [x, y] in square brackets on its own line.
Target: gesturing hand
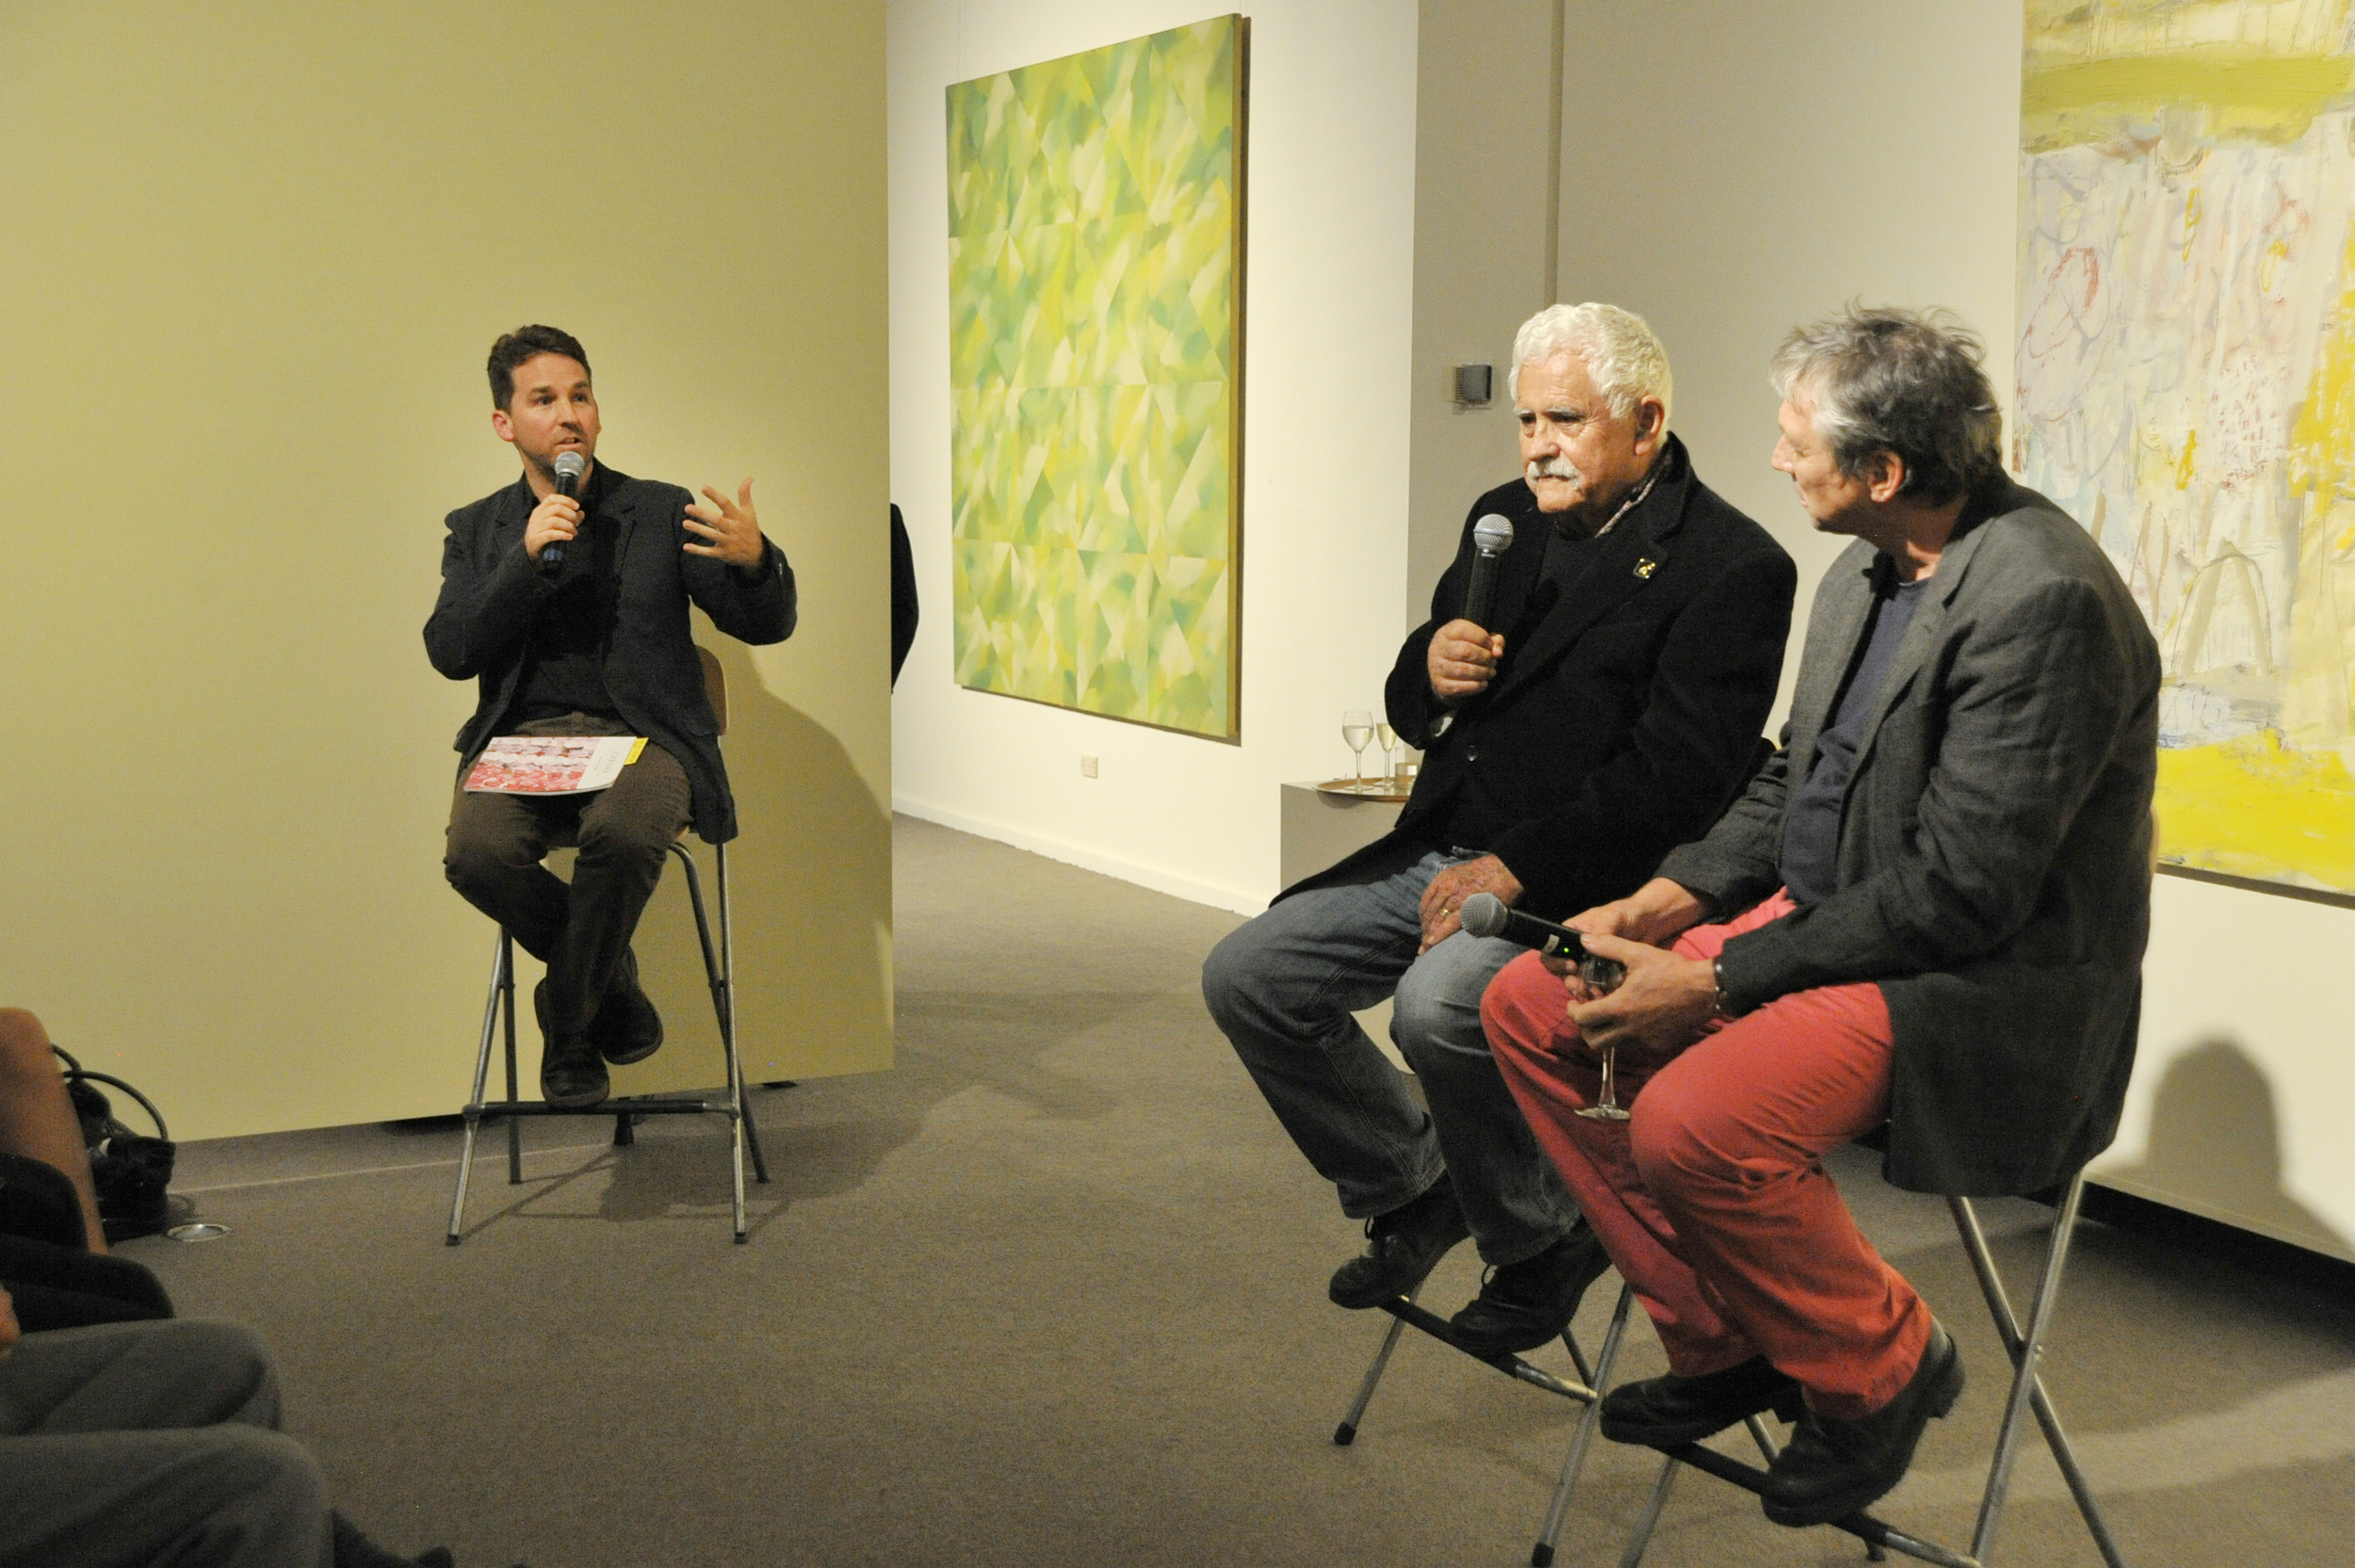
[1443, 898]
[730, 528]
[1462, 661]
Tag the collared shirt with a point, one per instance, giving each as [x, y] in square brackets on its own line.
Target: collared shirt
[573, 626]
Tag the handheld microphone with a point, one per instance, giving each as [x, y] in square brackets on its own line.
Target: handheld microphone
[570, 466]
[1485, 914]
[1491, 536]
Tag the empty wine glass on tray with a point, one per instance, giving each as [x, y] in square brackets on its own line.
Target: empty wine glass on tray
[1357, 729]
[1388, 738]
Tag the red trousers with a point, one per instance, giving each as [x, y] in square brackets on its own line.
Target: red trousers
[1712, 1199]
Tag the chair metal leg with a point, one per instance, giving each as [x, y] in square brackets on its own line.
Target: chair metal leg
[507, 1004]
[725, 993]
[1589, 1420]
[2027, 1391]
[1654, 1506]
[501, 956]
[1346, 1433]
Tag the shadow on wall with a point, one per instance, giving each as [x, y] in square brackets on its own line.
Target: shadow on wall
[811, 868]
[2215, 1140]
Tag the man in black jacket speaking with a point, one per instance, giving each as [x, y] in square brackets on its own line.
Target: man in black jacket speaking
[1608, 710]
[570, 612]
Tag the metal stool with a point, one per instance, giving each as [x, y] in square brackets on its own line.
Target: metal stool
[2027, 1394]
[1587, 1392]
[718, 969]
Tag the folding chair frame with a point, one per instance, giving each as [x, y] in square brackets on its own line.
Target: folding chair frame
[2027, 1395]
[718, 969]
[1405, 1311]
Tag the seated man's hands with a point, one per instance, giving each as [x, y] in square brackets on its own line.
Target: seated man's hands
[1660, 1008]
[730, 528]
[1462, 661]
[1443, 900]
[9, 1333]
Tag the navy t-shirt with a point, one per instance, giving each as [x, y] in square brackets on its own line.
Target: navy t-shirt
[1811, 830]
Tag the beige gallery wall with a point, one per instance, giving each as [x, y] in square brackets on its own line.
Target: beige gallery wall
[252, 256]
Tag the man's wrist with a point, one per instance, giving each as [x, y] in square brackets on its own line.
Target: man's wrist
[1723, 1007]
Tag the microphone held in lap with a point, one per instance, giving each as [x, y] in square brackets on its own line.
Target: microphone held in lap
[1485, 914]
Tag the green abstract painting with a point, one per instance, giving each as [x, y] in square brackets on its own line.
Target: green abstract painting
[1094, 295]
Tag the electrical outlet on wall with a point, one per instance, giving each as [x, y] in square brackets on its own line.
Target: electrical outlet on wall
[1087, 766]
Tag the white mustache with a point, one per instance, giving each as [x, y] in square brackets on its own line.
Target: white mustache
[1552, 468]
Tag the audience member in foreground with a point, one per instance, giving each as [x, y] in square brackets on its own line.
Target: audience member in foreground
[1606, 709]
[1928, 911]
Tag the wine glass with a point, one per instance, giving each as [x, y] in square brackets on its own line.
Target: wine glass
[1603, 976]
[1388, 738]
[1357, 729]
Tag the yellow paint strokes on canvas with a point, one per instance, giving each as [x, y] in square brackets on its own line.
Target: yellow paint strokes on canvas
[2249, 808]
[2322, 439]
[2244, 93]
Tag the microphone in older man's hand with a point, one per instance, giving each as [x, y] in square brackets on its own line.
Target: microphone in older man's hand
[1491, 536]
[569, 466]
[1485, 914]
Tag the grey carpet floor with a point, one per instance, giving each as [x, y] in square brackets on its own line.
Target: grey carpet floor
[1051, 1292]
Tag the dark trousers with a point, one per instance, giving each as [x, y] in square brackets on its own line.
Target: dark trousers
[581, 932]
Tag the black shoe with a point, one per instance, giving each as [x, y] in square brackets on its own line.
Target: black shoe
[1401, 1248]
[1831, 1468]
[1522, 1305]
[571, 1074]
[626, 1027]
[1661, 1413]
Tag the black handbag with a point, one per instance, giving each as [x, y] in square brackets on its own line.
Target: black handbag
[131, 1171]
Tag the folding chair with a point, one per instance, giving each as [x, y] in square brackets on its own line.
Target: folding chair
[719, 970]
[2027, 1395]
[1587, 1392]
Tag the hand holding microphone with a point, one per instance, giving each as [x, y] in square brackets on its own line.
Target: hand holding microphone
[1485, 914]
[557, 517]
[1464, 653]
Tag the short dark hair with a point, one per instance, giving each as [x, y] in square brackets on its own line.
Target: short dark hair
[1903, 381]
[526, 343]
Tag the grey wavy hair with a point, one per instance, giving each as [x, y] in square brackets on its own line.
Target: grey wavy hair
[1897, 381]
[1623, 359]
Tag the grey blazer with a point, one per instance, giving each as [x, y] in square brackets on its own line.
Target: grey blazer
[1995, 848]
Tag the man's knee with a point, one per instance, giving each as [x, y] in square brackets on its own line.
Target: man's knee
[475, 858]
[1234, 977]
[1434, 1016]
[1684, 1141]
[268, 1486]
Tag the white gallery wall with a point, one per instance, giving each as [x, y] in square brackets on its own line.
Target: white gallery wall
[1328, 300]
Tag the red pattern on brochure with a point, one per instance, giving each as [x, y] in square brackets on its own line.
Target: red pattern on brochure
[552, 763]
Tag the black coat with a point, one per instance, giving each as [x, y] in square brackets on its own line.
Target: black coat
[482, 623]
[1626, 720]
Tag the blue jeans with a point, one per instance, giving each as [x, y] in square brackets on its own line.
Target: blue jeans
[1283, 987]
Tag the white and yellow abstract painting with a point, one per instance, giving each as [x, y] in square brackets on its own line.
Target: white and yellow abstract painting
[2187, 388]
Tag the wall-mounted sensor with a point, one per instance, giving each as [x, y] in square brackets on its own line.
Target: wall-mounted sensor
[1474, 384]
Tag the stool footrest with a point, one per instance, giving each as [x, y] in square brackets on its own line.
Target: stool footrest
[1408, 1312]
[494, 1108]
[1862, 1526]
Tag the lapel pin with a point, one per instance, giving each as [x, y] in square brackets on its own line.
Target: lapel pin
[1645, 566]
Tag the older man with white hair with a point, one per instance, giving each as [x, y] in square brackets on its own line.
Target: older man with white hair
[1606, 709]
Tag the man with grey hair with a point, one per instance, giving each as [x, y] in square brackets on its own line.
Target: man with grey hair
[1926, 913]
[1607, 709]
